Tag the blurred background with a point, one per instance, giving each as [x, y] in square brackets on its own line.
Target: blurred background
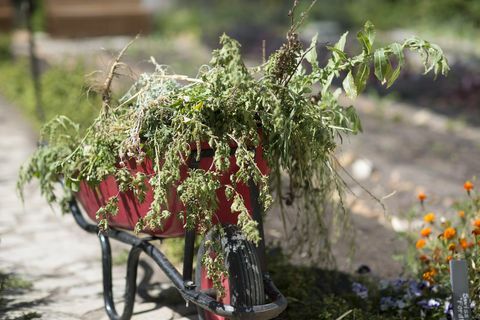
[420, 135]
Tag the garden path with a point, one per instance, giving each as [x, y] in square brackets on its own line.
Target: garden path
[61, 261]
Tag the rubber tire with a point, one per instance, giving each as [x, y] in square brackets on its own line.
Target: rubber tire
[243, 265]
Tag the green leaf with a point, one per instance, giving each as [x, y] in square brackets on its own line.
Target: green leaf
[340, 45]
[366, 37]
[361, 77]
[337, 53]
[349, 86]
[356, 124]
[72, 184]
[311, 55]
[337, 50]
[392, 75]
[327, 83]
[381, 64]
[397, 50]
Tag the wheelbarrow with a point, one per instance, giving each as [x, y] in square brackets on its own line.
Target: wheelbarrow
[249, 291]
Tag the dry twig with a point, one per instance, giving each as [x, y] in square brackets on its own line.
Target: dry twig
[106, 91]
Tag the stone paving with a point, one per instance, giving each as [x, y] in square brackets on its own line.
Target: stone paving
[62, 262]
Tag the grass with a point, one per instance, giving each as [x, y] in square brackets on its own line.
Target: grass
[64, 91]
[64, 88]
[13, 285]
[315, 293]
[26, 316]
[13, 282]
[120, 258]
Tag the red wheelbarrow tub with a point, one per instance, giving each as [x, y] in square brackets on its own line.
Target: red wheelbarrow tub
[131, 210]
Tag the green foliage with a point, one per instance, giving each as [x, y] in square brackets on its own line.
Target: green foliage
[214, 261]
[4, 47]
[388, 14]
[110, 209]
[63, 91]
[210, 19]
[256, 20]
[166, 117]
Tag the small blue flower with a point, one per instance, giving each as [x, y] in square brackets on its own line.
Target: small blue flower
[448, 308]
[400, 304]
[433, 303]
[386, 303]
[415, 288]
[384, 284]
[429, 304]
[398, 283]
[360, 290]
[423, 285]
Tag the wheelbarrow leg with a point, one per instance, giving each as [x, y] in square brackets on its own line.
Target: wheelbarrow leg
[188, 257]
[131, 280]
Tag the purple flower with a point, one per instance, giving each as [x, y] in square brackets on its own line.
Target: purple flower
[360, 290]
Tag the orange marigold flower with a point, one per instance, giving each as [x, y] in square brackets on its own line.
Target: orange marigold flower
[476, 232]
[452, 247]
[425, 232]
[461, 214]
[421, 196]
[429, 217]
[429, 275]
[449, 233]
[468, 185]
[476, 223]
[465, 244]
[449, 258]
[420, 243]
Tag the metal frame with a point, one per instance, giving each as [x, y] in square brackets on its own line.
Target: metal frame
[182, 282]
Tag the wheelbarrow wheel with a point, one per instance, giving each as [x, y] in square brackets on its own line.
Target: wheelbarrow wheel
[244, 284]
